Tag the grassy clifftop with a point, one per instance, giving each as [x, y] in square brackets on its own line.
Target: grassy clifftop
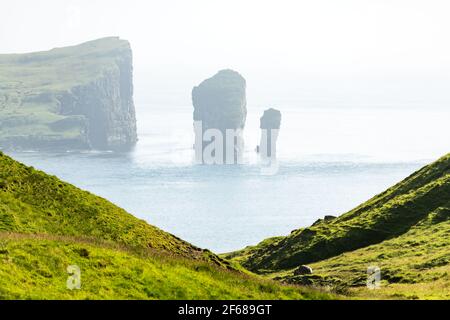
[60, 68]
[389, 215]
[47, 225]
[77, 97]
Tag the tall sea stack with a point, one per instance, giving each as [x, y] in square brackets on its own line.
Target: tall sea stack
[220, 111]
[270, 125]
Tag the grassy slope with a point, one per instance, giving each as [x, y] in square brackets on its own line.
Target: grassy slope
[47, 225]
[25, 77]
[35, 268]
[388, 215]
[413, 265]
[34, 202]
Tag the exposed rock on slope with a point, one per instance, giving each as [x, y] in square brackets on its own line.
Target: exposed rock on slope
[78, 97]
[220, 103]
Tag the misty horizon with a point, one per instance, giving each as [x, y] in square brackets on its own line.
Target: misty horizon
[357, 53]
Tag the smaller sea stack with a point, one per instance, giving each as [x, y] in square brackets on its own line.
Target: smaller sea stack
[270, 125]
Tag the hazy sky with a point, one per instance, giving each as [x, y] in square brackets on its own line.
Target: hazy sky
[280, 46]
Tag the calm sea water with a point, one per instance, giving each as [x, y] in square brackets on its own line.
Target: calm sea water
[330, 161]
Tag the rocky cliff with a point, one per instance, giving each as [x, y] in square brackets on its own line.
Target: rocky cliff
[78, 97]
[220, 103]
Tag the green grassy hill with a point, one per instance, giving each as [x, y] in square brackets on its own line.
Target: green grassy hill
[404, 230]
[35, 203]
[35, 267]
[47, 225]
[415, 265]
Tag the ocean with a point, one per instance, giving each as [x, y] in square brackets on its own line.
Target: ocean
[330, 160]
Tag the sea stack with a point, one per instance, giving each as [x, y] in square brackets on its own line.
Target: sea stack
[220, 111]
[270, 125]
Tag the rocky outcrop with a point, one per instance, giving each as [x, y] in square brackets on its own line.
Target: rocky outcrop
[69, 98]
[270, 125]
[220, 105]
[326, 219]
[302, 270]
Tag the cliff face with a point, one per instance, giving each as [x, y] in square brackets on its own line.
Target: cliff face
[69, 98]
[107, 105]
[220, 103]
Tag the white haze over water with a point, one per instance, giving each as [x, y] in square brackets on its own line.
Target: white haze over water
[364, 52]
[363, 87]
[370, 134]
[331, 160]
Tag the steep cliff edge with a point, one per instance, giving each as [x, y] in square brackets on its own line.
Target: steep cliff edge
[78, 97]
